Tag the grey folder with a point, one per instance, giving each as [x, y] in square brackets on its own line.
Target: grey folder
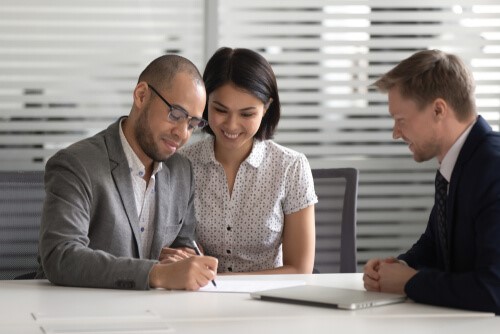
[327, 296]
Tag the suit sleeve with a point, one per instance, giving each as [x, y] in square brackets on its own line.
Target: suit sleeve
[64, 250]
[478, 287]
[423, 253]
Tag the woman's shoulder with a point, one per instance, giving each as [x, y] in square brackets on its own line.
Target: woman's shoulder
[285, 153]
[197, 149]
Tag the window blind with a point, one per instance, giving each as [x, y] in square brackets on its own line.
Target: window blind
[68, 68]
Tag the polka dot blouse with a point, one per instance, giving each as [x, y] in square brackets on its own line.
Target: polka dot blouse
[244, 230]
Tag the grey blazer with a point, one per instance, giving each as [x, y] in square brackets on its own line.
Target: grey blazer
[89, 234]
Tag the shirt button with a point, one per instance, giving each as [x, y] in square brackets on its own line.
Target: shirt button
[142, 229]
[228, 251]
[228, 228]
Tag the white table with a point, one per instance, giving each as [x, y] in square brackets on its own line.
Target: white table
[30, 306]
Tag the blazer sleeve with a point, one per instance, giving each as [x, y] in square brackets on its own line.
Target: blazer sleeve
[475, 286]
[423, 253]
[65, 255]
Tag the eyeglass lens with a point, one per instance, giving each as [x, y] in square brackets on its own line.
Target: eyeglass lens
[177, 114]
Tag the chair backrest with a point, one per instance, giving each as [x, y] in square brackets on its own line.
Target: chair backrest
[21, 202]
[337, 190]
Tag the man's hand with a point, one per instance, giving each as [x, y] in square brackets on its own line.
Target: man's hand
[171, 255]
[188, 274]
[371, 275]
[394, 276]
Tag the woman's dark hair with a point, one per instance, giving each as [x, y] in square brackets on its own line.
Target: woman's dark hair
[248, 70]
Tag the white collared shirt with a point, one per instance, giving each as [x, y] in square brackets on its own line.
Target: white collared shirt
[145, 202]
[244, 231]
[450, 158]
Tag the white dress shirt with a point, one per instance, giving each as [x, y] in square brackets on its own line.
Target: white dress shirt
[450, 158]
[144, 194]
[244, 230]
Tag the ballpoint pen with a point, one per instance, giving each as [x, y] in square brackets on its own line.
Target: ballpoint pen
[198, 252]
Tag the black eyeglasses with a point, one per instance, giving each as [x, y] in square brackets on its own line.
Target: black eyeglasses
[177, 115]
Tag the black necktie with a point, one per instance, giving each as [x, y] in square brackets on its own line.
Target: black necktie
[441, 195]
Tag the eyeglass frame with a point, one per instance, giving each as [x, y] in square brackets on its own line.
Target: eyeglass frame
[185, 116]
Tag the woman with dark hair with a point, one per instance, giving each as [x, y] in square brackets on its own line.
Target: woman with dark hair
[254, 199]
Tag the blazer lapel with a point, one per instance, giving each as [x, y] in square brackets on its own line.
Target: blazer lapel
[121, 176]
[162, 196]
[476, 135]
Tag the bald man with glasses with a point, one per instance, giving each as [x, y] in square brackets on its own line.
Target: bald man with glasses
[118, 200]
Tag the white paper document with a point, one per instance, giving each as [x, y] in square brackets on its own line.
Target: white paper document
[120, 322]
[109, 328]
[92, 316]
[247, 286]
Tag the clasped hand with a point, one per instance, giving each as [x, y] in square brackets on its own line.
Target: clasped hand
[387, 275]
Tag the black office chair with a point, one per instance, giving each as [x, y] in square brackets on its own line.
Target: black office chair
[21, 202]
[337, 190]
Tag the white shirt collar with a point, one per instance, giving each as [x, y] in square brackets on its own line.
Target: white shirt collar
[254, 159]
[451, 156]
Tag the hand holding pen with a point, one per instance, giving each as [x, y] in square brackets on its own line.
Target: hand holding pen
[198, 252]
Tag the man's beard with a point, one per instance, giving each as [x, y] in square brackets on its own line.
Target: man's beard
[145, 138]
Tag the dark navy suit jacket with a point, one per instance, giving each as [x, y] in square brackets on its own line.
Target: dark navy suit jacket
[472, 280]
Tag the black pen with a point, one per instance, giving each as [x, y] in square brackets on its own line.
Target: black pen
[198, 252]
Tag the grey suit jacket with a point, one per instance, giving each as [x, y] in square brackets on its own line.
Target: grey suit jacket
[89, 234]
